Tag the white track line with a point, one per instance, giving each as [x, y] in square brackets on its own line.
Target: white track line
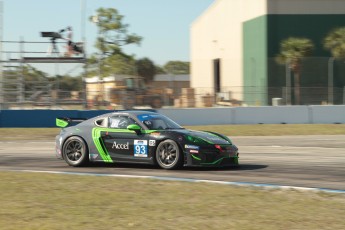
[247, 184]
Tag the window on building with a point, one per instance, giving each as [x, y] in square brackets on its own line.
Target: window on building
[216, 75]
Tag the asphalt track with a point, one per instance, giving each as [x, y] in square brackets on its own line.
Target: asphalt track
[301, 161]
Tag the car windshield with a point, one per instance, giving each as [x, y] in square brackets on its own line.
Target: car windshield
[158, 122]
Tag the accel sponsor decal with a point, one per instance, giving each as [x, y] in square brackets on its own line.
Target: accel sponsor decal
[191, 147]
[140, 148]
[120, 145]
[193, 151]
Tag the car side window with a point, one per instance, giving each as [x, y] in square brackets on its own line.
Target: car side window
[120, 122]
[155, 124]
[103, 122]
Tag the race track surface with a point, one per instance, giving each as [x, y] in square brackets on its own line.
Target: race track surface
[302, 161]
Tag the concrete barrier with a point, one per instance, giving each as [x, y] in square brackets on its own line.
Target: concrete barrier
[327, 114]
[194, 116]
[41, 118]
[272, 115]
[211, 116]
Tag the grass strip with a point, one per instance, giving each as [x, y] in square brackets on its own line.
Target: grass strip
[49, 201]
[228, 130]
[275, 129]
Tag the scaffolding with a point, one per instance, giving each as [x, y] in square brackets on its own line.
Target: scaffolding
[12, 76]
[12, 79]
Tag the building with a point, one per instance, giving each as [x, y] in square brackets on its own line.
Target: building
[165, 86]
[234, 44]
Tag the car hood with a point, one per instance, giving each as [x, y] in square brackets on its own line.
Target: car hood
[209, 137]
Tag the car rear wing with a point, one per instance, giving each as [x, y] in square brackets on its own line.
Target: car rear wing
[63, 122]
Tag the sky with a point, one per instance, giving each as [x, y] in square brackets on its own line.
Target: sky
[163, 24]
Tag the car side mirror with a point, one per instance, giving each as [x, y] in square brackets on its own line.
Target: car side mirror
[134, 127]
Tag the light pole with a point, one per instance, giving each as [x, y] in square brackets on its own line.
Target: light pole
[330, 80]
[95, 19]
[288, 82]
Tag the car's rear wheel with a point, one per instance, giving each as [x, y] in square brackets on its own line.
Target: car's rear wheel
[75, 151]
[168, 155]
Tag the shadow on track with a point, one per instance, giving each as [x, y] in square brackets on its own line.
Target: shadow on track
[242, 167]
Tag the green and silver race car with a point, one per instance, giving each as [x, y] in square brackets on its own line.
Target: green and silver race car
[141, 137]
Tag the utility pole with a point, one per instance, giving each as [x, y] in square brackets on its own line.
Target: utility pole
[1, 69]
[83, 39]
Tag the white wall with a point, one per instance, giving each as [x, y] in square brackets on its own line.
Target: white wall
[258, 115]
[217, 33]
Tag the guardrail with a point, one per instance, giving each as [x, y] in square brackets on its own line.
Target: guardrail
[196, 116]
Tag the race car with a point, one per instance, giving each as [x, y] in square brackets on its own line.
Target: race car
[141, 137]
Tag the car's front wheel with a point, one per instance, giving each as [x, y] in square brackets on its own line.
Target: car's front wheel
[75, 151]
[168, 155]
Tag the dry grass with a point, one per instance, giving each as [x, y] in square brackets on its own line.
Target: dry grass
[229, 130]
[47, 201]
[275, 129]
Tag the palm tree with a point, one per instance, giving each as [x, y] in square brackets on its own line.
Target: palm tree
[335, 43]
[292, 51]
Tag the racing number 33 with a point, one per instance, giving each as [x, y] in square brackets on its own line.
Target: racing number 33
[140, 148]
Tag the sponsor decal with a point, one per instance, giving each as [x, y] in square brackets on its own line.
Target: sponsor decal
[140, 148]
[193, 151]
[155, 134]
[120, 145]
[93, 156]
[191, 147]
[148, 123]
[152, 142]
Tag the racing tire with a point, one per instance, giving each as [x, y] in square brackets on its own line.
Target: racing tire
[168, 155]
[75, 152]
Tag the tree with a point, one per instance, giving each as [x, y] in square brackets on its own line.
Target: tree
[146, 69]
[113, 33]
[160, 70]
[335, 43]
[68, 83]
[177, 67]
[292, 51]
[114, 64]
[29, 81]
[32, 76]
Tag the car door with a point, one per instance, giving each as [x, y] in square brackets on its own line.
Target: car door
[125, 145]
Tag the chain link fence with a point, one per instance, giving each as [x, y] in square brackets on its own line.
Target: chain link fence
[321, 80]
[50, 98]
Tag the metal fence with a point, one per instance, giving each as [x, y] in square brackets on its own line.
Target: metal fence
[322, 81]
[49, 97]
